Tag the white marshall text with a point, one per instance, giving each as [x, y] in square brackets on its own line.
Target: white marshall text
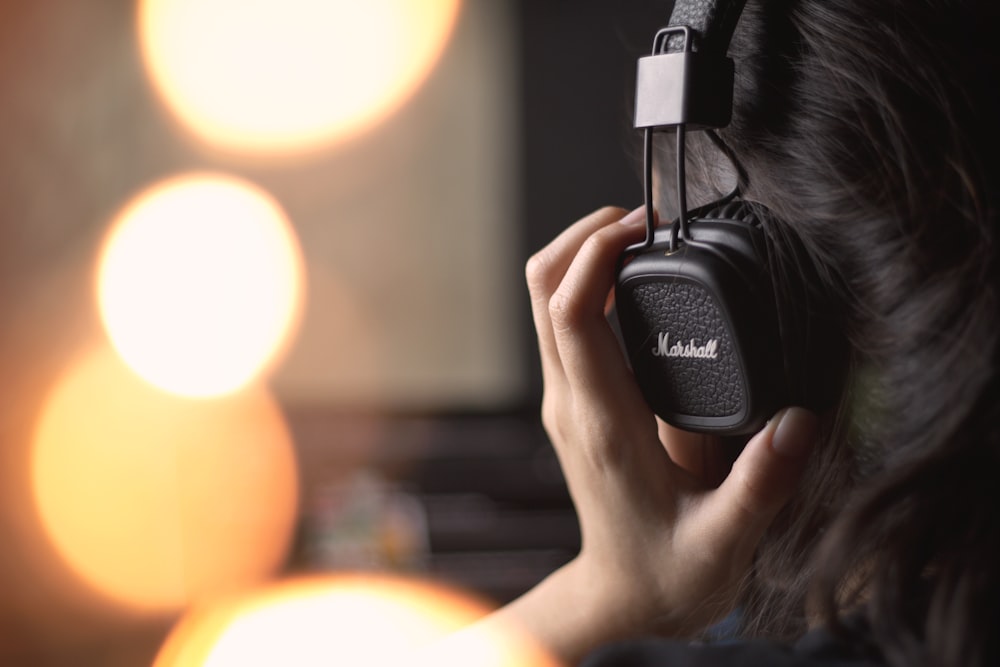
[690, 350]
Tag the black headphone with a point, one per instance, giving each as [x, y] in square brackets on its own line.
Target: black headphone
[717, 340]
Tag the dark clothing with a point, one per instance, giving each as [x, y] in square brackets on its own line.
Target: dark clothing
[818, 648]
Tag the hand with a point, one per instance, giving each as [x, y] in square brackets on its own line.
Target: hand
[663, 547]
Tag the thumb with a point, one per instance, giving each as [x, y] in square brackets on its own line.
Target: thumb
[764, 477]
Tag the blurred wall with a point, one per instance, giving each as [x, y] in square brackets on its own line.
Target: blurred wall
[409, 230]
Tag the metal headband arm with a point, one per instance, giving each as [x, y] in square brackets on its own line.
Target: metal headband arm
[687, 80]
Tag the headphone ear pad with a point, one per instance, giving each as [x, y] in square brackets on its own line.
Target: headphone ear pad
[815, 350]
[736, 210]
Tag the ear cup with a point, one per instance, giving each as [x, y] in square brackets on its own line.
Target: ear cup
[700, 329]
[714, 346]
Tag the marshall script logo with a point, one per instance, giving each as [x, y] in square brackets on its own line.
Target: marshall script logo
[691, 350]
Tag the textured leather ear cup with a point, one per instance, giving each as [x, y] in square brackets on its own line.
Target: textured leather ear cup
[714, 346]
[682, 346]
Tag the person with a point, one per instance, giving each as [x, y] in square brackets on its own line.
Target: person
[869, 533]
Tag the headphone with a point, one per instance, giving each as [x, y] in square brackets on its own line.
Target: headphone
[718, 335]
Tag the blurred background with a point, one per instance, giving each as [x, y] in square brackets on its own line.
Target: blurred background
[262, 314]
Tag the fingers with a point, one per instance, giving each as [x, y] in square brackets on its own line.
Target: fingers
[585, 343]
[546, 270]
[763, 479]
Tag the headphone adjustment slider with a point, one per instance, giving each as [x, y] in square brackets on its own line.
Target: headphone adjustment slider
[692, 88]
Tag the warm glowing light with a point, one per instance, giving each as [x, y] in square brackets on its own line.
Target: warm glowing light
[287, 75]
[374, 621]
[157, 500]
[200, 283]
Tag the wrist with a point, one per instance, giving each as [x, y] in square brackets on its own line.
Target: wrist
[575, 610]
[624, 603]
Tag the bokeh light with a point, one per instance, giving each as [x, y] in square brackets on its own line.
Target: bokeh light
[200, 283]
[157, 500]
[282, 76]
[374, 620]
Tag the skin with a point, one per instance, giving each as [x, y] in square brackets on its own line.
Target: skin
[665, 541]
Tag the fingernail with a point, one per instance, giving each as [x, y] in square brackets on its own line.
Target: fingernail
[634, 217]
[795, 432]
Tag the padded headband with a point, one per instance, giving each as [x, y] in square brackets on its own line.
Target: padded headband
[712, 22]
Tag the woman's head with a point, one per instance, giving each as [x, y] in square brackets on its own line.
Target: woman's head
[866, 130]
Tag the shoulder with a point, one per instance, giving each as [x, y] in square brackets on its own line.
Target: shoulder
[816, 649]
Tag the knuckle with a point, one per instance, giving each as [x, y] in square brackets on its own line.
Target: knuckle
[755, 497]
[550, 415]
[606, 238]
[563, 312]
[601, 440]
[595, 243]
[600, 247]
[611, 212]
[536, 271]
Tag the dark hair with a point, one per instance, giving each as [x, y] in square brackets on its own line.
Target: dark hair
[866, 128]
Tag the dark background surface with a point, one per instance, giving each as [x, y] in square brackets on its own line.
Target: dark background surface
[580, 151]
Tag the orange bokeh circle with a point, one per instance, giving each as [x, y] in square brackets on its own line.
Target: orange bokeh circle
[286, 76]
[200, 283]
[156, 500]
[370, 619]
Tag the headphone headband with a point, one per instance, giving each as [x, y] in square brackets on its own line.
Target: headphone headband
[716, 343]
[712, 21]
[687, 82]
